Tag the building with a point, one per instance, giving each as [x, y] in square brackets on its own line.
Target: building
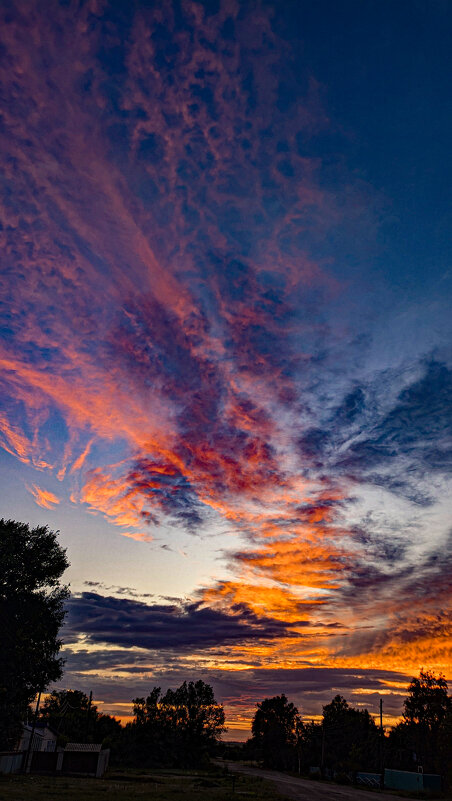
[44, 738]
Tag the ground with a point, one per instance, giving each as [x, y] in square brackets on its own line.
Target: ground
[310, 790]
[239, 782]
[139, 786]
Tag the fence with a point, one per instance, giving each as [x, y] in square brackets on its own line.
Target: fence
[368, 779]
[81, 762]
[11, 761]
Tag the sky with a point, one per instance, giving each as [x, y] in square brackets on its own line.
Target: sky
[226, 362]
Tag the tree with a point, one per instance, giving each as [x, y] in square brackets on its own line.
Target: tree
[31, 613]
[275, 731]
[72, 715]
[179, 728]
[428, 702]
[309, 745]
[350, 737]
[445, 747]
[420, 738]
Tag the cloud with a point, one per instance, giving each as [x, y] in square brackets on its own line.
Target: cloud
[131, 592]
[121, 621]
[43, 498]
[391, 447]
[118, 676]
[157, 265]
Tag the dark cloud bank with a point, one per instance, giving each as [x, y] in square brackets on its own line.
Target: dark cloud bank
[125, 622]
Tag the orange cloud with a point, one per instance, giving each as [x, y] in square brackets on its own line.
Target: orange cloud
[43, 498]
[276, 601]
[14, 441]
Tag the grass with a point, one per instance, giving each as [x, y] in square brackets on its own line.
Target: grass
[138, 786]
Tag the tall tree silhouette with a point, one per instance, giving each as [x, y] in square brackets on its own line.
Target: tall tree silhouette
[420, 739]
[31, 613]
[275, 726]
[350, 737]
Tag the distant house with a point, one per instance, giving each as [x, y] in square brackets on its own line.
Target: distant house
[43, 743]
[49, 736]
[44, 738]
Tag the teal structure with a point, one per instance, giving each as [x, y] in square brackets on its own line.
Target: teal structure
[408, 780]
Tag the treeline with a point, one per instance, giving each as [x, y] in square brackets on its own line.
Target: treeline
[347, 740]
[183, 727]
[178, 729]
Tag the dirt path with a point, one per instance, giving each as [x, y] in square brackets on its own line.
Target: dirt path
[308, 789]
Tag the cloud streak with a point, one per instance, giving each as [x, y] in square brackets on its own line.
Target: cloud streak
[44, 498]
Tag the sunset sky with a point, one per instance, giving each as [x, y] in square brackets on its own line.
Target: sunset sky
[226, 362]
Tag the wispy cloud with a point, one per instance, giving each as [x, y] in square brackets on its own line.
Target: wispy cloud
[43, 497]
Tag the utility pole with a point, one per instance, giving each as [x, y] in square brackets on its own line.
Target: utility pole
[88, 713]
[322, 762]
[382, 770]
[27, 765]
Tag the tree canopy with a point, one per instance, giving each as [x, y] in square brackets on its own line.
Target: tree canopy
[275, 730]
[180, 727]
[423, 736]
[76, 719]
[350, 737]
[31, 613]
[428, 702]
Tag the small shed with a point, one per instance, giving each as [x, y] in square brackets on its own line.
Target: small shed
[90, 759]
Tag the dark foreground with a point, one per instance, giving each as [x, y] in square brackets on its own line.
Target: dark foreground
[142, 786]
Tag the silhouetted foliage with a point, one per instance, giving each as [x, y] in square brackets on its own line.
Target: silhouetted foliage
[420, 739]
[346, 740]
[445, 746]
[233, 751]
[71, 715]
[31, 613]
[428, 702]
[350, 738]
[275, 731]
[180, 728]
[309, 745]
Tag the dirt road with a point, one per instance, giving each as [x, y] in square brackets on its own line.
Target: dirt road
[308, 789]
